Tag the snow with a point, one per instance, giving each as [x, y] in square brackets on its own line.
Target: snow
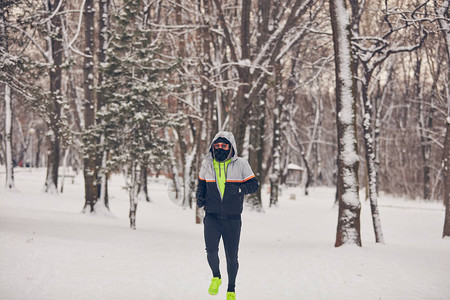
[346, 115]
[49, 250]
[292, 166]
[349, 154]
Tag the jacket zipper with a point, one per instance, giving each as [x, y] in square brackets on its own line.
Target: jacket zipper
[221, 198]
[221, 202]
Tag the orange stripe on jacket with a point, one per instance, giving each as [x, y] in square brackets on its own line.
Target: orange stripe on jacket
[248, 178]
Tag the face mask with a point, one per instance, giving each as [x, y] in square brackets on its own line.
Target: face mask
[220, 154]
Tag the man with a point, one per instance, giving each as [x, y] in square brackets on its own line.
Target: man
[224, 179]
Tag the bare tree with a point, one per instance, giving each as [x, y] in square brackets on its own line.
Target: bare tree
[54, 122]
[104, 19]
[348, 229]
[372, 51]
[90, 170]
[9, 183]
[443, 13]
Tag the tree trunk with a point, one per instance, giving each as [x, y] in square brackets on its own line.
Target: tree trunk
[276, 153]
[257, 152]
[189, 167]
[276, 144]
[201, 141]
[142, 191]
[38, 150]
[446, 162]
[132, 192]
[89, 171]
[102, 203]
[54, 137]
[318, 138]
[8, 139]
[370, 160]
[444, 13]
[173, 168]
[369, 138]
[242, 97]
[66, 155]
[101, 161]
[348, 229]
[9, 182]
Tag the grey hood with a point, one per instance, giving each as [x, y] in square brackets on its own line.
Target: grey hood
[230, 137]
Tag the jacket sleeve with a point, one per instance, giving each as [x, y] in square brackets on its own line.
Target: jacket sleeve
[201, 188]
[201, 192]
[250, 184]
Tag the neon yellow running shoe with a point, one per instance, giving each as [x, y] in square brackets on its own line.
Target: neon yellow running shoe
[214, 287]
[231, 296]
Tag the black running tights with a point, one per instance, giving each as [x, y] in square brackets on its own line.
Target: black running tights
[230, 231]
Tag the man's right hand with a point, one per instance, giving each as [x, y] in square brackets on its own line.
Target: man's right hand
[201, 202]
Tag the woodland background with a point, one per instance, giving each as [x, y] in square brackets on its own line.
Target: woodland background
[141, 87]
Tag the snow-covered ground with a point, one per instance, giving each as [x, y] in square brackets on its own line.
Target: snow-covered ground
[49, 250]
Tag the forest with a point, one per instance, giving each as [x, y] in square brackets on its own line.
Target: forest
[355, 92]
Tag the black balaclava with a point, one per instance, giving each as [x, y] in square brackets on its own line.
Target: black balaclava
[221, 155]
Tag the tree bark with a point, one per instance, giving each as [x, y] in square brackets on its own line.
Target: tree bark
[444, 13]
[446, 162]
[89, 171]
[370, 160]
[257, 151]
[132, 192]
[103, 200]
[9, 183]
[348, 229]
[54, 137]
[142, 185]
[276, 153]
[38, 150]
[101, 161]
[275, 172]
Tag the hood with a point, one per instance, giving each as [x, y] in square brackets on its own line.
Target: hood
[230, 137]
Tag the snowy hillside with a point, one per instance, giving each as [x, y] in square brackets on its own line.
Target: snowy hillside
[49, 250]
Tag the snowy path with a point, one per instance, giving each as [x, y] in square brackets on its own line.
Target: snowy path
[48, 250]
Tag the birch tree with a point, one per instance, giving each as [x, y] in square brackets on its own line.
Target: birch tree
[9, 179]
[348, 229]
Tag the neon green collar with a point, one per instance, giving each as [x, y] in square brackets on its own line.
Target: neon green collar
[221, 174]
